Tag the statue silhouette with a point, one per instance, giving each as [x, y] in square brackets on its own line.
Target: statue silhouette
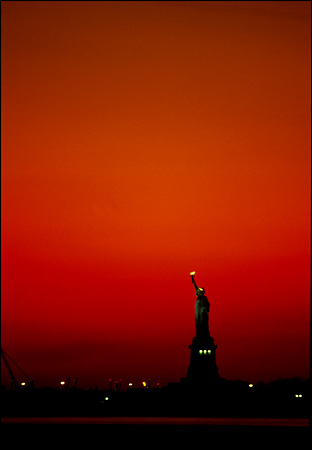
[202, 307]
[203, 368]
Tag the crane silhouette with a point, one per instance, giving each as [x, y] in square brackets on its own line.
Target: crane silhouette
[14, 381]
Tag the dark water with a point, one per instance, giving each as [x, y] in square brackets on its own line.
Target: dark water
[159, 421]
[153, 432]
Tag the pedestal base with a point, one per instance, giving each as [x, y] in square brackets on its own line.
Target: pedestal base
[203, 368]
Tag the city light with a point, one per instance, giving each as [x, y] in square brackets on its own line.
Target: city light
[298, 395]
[250, 385]
[192, 274]
[23, 383]
[130, 384]
[144, 383]
[62, 383]
[209, 351]
[106, 398]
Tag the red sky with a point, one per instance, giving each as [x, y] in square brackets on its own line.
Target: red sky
[140, 141]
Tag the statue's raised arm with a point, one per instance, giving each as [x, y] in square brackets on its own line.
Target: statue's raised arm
[199, 291]
[193, 281]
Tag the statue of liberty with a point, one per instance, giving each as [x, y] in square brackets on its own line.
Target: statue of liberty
[203, 369]
[202, 306]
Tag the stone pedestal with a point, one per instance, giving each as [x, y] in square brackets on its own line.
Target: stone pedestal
[203, 368]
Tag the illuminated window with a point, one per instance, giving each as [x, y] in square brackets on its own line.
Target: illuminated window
[205, 351]
[209, 351]
[200, 352]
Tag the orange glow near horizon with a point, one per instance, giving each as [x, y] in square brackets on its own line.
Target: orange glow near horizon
[139, 140]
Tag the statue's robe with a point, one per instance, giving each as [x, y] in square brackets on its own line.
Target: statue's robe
[201, 315]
